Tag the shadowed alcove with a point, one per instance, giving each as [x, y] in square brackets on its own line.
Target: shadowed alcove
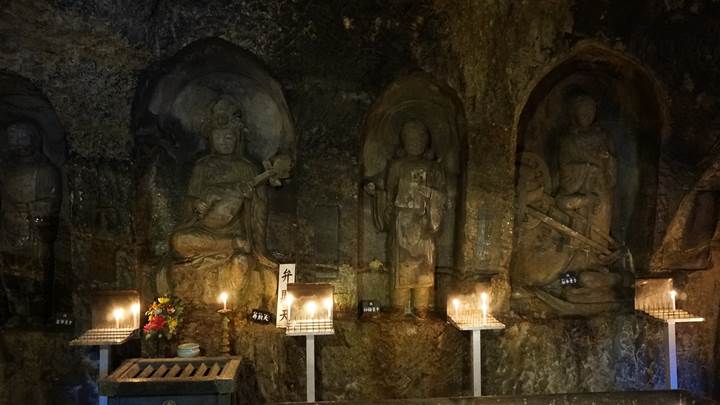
[587, 195]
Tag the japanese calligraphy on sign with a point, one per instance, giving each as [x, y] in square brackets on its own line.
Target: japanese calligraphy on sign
[286, 275]
[260, 316]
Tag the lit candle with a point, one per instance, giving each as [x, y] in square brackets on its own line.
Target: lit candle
[328, 303]
[311, 307]
[135, 309]
[118, 314]
[484, 304]
[673, 294]
[456, 306]
[224, 298]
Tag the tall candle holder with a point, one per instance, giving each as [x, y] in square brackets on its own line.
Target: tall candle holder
[658, 299]
[110, 326]
[471, 312]
[310, 313]
[225, 328]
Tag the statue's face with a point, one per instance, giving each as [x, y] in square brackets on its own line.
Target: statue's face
[415, 139]
[224, 141]
[584, 112]
[20, 139]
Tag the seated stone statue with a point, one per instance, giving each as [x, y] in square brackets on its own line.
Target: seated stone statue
[587, 182]
[564, 249]
[221, 237]
[30, 197]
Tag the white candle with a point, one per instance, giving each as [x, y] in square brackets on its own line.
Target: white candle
[673, 294]
[456, 307]
[118, 314]
[135, 310]
[328, 303]
[311, 307]
[484, 304]
[224, 299]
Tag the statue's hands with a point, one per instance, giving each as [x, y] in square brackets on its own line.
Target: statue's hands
[246, 189]
[607, 260]
[201, 208]
[242, 245]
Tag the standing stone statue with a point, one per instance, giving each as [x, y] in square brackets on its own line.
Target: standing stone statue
[587, 183]
[221, 237]
[30, 197]
[410, 207]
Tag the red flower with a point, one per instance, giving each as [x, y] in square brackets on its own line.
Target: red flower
[156, 323]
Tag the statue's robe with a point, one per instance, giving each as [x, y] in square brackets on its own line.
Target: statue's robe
[413, 210]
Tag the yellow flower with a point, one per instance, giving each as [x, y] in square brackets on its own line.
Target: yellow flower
[172, 324]
[163, 300]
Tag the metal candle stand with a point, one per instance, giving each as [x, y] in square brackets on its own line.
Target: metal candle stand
[310, 313]
[115, 318]
[310, 329]
[657, 297]
[225, 337]
[671, 317]
[103, 338]
[475, 321]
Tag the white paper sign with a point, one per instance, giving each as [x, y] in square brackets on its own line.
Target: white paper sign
[286, 275]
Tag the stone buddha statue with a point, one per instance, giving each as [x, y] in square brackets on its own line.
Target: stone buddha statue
[222, 231]
[30, 198]
[564, 249]
[410, 207]
[587, 172]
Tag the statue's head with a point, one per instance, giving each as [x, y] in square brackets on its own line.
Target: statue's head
[415, 138]
[584, 109]
[23, 138]
[226, 127]
[223, 141]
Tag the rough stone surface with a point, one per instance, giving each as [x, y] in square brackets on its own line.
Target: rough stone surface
[376, 357]
[39, 368]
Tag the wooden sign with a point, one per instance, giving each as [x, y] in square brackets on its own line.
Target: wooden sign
[286, 275]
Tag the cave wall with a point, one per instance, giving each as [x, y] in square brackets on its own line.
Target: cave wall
[332, 60]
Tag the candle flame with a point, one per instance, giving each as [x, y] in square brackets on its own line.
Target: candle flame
[135, 308]
[328, 303]
[456, 303]
[311, 307]
[484, 300]
[223, 296]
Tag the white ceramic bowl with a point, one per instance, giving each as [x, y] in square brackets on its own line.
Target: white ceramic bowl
[188, 350]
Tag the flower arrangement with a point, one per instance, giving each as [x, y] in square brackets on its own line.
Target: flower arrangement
[163, 317]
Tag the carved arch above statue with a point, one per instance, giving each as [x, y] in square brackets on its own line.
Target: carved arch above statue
[176, 96]
[414, 97]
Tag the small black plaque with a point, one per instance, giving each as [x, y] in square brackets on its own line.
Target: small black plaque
[262, 317]
[368, 307]
[62, 321]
